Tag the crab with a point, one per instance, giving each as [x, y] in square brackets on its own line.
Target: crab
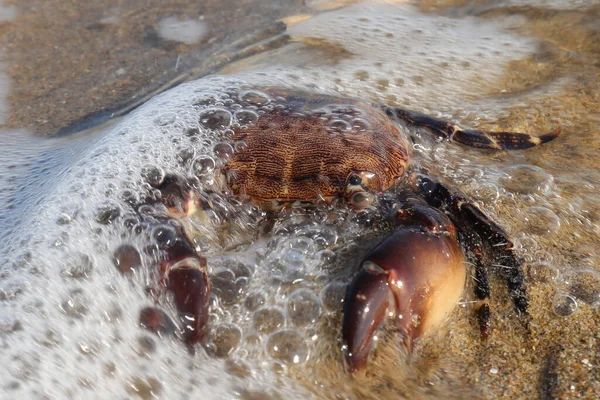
[314, 148]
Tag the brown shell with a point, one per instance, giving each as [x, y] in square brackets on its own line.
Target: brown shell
[298, 151]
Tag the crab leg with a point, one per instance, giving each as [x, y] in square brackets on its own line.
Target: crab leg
[415, 275]
[186, 277]
[183, 272]
[471, 137]
[467, 216]
[475, 253]
[188, 282]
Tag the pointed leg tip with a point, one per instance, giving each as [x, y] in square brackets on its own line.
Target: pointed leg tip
[355, 365]
[483, 315]
[551, 135]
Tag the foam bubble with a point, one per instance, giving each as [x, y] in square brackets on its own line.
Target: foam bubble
[288, 346]
[526, 179]
[541, 220]
[565, 305]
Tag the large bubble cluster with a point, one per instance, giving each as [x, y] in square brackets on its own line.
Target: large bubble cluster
[82, 278]
[270, 298]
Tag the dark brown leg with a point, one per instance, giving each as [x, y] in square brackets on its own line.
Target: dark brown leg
[476, 254]
[183, 273]
[467, 217]
[471, 137]
[182, 270]
[186, 277]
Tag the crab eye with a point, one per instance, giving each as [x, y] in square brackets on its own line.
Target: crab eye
[365, 180]
[355, 180]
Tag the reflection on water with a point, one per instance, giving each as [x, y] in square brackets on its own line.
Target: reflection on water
[4, 88]
[188, 31]
[276, 313]
[7, 12]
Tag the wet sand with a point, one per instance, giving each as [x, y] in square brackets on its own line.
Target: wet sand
[60, 75]
[67, 61]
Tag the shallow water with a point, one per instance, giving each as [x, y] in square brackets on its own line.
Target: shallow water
[68, 320]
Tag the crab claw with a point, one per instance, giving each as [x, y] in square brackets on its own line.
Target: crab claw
[178, 196]
[417, 277]
[364, 310]
[186, 277]
[188, 281]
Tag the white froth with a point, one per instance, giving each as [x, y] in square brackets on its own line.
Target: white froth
[30, 167]
[68, 323]
[404, 57]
